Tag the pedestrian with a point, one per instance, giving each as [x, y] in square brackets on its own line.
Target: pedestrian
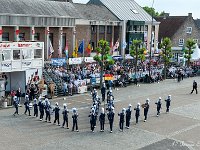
[48, 110]
[159, 106]
[194, 87]
[168, 101]
[75, 119]
[92, 119]
[103, 92]
[137, 112]
[111, 115]
[16, 105]
[102, 120]
[26, 104]
[121, 119]
[18, 94]
[128, 116]
[41, 105]
[146, 109]
[65, 116]
[35, 106]
[56, 110]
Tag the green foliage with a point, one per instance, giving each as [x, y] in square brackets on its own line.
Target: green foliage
[166, 50]
[151, 11]
[190, 46]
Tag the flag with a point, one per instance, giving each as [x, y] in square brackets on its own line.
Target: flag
[108, 77]
[51, 50]
[74, 54]
[81, 47]
[116, 46]
[66, 49]
[89, 48]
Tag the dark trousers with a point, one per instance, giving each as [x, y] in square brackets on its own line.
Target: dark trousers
[158, 110]
[128, 121]
[193, 90]
[92, 124]
[41, 114]
[102, 125]
[75, 123]
[103, 97]
[16, 110]
[121, 125]
[111, 125]
[145, 114]
[65, 120]
[48, 116]
[27, 109]
[57, 118]
[167, 110]
[35, 112]
[136, 117]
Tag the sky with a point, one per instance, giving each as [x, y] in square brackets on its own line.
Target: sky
[174, 7]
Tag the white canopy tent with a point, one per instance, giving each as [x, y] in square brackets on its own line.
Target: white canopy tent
[196, 54]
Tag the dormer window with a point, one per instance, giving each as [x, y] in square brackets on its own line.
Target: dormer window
[189, 30]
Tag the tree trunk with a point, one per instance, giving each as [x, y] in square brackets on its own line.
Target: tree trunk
[136, 59]
[101, 74]
[165, 70]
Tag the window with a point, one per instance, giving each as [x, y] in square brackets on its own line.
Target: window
[6, 55]
[51, 38]
[22, 36]
[63, 42]
[16, 54]
[26, 53]
[181, 42]
[109, 29]
[37, 36]
[189, 30]
[37, 53]
[93, 29]
[101, 29]
[5, 36]
[196, 41]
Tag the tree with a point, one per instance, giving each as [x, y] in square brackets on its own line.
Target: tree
[151, 11]
[103, 51]
[166, 53]
[137, 52]
[190, 45]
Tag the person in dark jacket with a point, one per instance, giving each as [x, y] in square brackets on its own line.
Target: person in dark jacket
[102, 120]
[56, 110]
[128, 116]
[16, 105]
[137, 112]
[35, 106]
[168, 102]
[121, 119]
[103, 92]
[26, 104]
[146, 109]
[92, 119]
[19, 94]
[111, 115]
[75, 119]
[159, 106]
[41, 105]
[65, 116]
[194, 87]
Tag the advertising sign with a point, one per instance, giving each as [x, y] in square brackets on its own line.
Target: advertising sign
[58, 61]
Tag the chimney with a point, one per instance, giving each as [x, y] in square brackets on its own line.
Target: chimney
[189, 14]
[166, 15]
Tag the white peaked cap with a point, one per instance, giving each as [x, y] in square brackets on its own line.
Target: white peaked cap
[147, 99]
[56, 103]
[64, 98]
[138, 104]
[124, 109]
[65, 105]
[160, 98]
[169, 95]
[130, 105]
[112, 108]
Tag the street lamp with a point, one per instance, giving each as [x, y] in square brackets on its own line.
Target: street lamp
[151, 42]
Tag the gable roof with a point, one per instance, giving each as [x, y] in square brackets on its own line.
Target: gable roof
[95, 12]
[169, 25]
[38, 8]
[126, 10]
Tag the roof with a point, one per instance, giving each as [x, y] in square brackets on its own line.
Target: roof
[169, 25]
[197, 22]
[95, 12]
[38, 8]
[126, 10]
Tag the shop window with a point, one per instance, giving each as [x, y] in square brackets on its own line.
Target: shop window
[16, 54]
[181, 42]
[101, 29]
[22, 36]
[5, 36]
[109, 29]
[26, 53]
[6, 55]
[37, 53]
[37, 36]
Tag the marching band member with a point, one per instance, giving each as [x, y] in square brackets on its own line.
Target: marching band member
[137, 112]
[56, 110]
[146, 109]
[121, 119]
[75, 119]
[35, 106]
[92, 119]
[111, 116]
[103, 92]
[159, 106]
[48, 111]
[26, 104]
[65, 116]
[102, 120]
[168, 101]
[16, 105]
[128, 116]
[41, 105]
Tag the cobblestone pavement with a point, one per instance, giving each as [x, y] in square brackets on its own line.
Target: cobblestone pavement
[178, 130]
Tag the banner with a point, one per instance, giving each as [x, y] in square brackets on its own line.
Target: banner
[75, 61]
[89, 59]
[58, 61]
[108, 77]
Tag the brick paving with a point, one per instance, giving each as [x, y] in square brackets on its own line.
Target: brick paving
[177, 130]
